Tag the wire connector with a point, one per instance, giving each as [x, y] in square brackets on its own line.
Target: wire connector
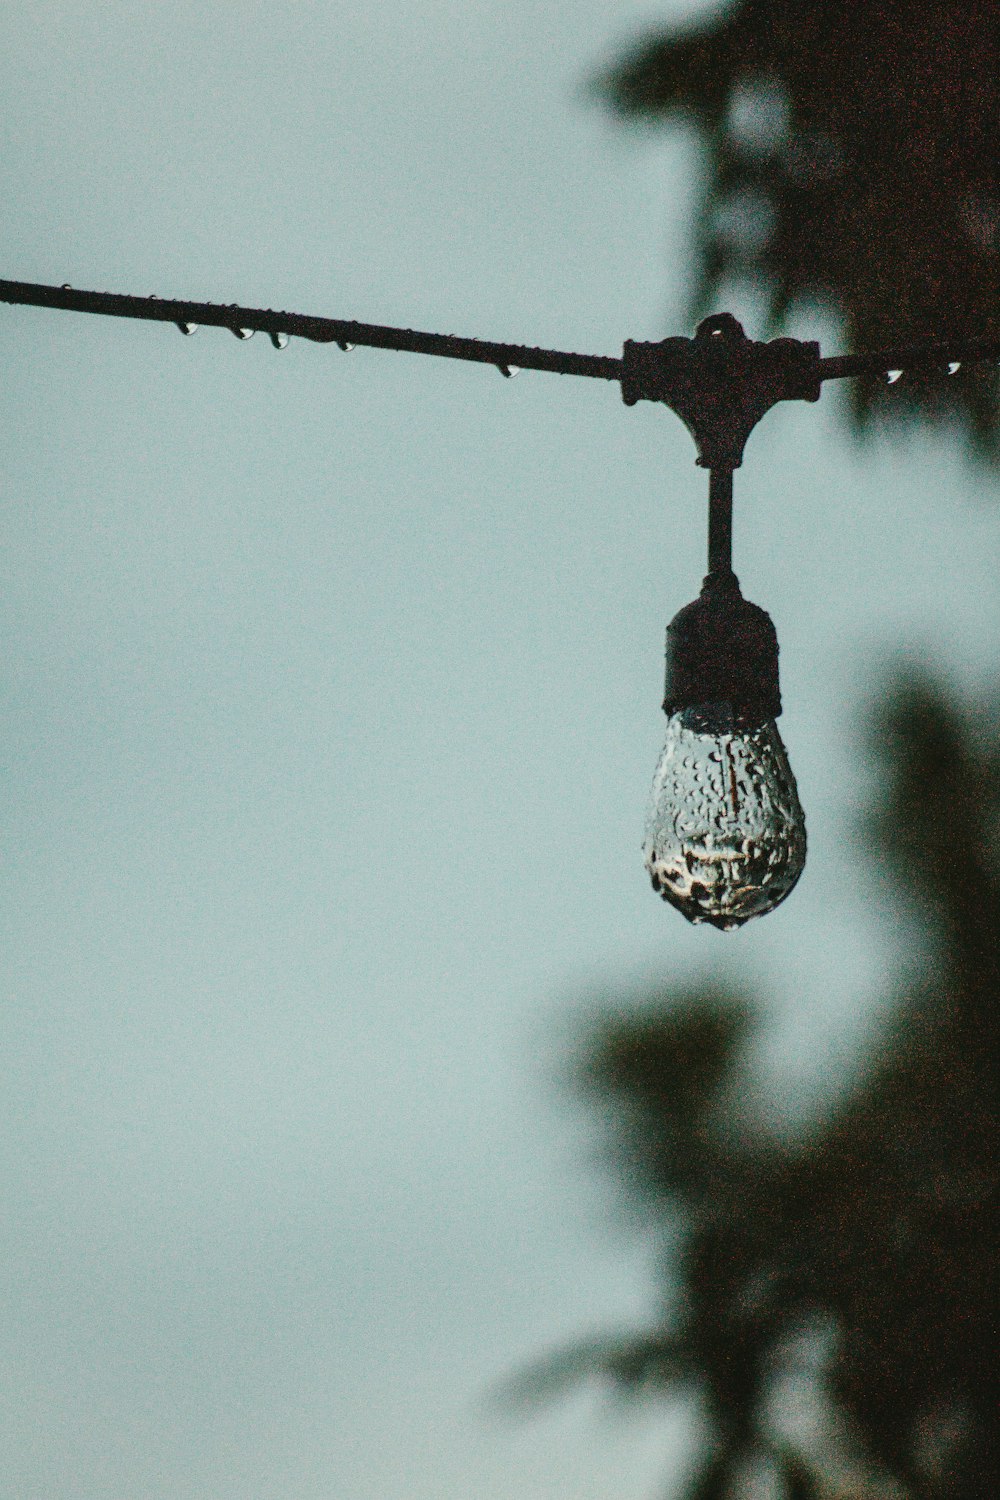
[720, 383]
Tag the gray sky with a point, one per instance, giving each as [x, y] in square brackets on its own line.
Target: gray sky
[330, 697]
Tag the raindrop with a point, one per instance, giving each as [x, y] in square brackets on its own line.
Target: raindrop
[892, 376]
[244, 333]
[954, 366]
[188, 327]
[66, 287]
[346, 347]
[279, 340]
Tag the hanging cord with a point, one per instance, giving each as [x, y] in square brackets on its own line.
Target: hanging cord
[720, 521]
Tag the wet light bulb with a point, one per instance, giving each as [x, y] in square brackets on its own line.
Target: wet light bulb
[725, 832]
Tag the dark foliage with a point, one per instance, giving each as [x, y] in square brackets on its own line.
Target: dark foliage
[855, 1263]
[853, 159]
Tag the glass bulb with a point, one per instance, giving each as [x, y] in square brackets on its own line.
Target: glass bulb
[725, 834]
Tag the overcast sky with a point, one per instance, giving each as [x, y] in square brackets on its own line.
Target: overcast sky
[330, 702]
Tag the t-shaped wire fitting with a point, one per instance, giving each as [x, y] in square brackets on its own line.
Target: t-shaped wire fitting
[720, 383]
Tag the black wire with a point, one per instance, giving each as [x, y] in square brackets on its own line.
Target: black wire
[503, 356]
[916, 357]
[320, 330]
[720, 521]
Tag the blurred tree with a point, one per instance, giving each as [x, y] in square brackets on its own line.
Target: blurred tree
[852, 159]
[832, 1298]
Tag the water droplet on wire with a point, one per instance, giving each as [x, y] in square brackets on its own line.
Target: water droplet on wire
[891, 376]
[279, 340]
[188, 327]
[509, 371]
[66, 287]
[954, 366]
[346, 347]
[244, 333]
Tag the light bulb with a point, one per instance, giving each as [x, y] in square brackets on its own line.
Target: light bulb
[725, 833]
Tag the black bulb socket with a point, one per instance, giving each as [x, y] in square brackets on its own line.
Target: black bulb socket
[721, 649]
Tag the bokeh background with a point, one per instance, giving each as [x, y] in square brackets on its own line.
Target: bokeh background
[330, 702]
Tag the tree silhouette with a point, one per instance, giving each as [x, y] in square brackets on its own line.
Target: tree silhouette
[852, 159]
[830, 1297]
[849, 1271]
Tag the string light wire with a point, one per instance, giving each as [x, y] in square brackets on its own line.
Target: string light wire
[345, 332]
[243, 321]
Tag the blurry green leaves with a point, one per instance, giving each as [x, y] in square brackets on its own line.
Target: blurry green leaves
[936, 824]
[852, 160]
[859, 1259]
[669, 1065]
[715, 1482]
[644, 1363]
[663, 1075]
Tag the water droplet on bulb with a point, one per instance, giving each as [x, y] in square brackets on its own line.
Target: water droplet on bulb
[891, 376]
[279, 340]
[188, 327]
